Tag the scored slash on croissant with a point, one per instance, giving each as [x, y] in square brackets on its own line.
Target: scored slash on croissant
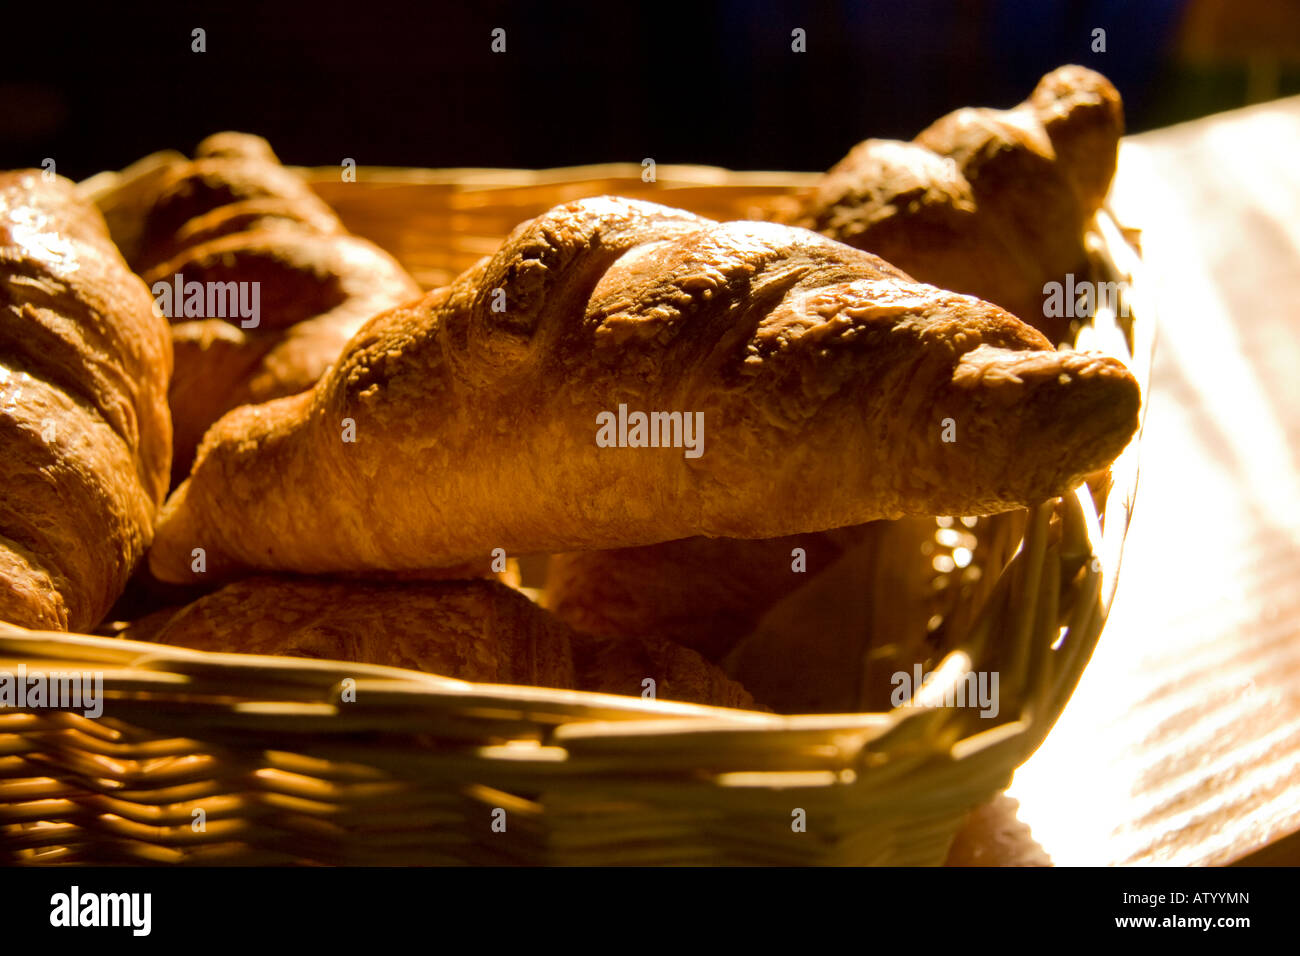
[989, 202]
[234, 217]
[825, 375]
[84, 425]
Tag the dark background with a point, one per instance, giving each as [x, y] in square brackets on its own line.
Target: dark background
[417, 84]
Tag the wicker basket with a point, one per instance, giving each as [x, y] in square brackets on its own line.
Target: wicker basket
[207, 759]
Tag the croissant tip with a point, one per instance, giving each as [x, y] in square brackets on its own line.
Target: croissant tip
[1091, 416]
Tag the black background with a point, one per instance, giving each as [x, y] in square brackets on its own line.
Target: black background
[417, 84]
[575, 909]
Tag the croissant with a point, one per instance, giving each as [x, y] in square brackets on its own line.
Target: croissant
[988, 202]
[84, 365]
[811, 623]
[815, 386]
[832, 641]
[237, 223]
[479, 631]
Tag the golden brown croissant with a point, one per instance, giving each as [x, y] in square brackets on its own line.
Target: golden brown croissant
[817, 386]
[479, 631]
[84, 365]
[233, 220]
[989, 202]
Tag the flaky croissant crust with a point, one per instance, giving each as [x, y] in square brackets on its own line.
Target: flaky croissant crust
[84, 424]
[989, 202]
[233, 214]
[825, 377]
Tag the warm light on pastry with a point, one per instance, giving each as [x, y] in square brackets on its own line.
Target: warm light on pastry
[84, 367]
[470, 420]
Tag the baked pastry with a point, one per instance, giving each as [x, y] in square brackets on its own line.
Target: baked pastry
[703, 593]
[234, 220]
[479, 631]
[833, 642]
[812, 623]
[622, 665]
[826, 388]
[84, 365]
[989, 202]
